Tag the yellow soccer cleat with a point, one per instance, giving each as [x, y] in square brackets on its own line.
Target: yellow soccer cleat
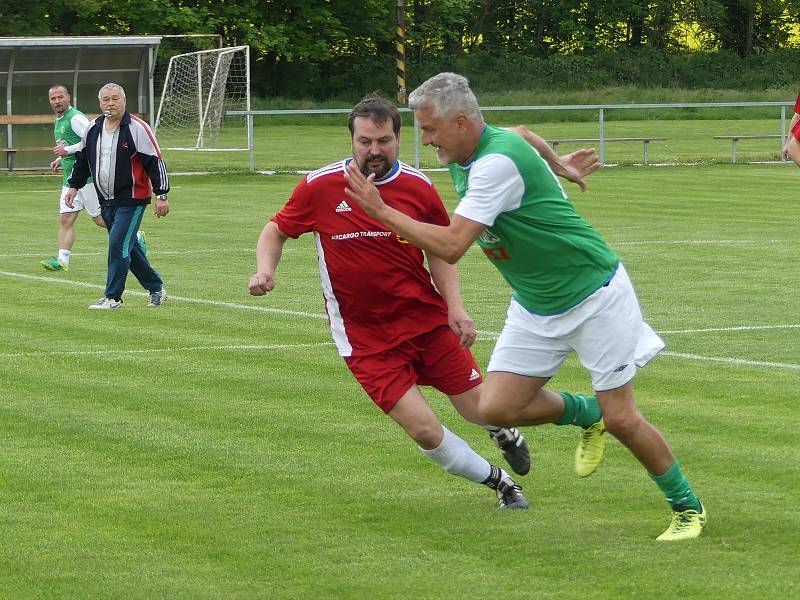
[54, 265]
[685, 525]
[590, 450]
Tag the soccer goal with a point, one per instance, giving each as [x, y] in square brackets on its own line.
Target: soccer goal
[199, 88]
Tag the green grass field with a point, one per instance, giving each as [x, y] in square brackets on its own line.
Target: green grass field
[217, 447]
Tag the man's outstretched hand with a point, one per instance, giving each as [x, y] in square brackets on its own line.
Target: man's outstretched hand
[363, 190]
[577, 165]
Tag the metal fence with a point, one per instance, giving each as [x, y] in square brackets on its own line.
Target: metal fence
[602, 138]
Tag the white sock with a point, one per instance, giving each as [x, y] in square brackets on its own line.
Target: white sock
[457, 458]
[63, 256]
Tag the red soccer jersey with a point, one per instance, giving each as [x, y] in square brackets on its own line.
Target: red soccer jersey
[797, 104]
[376, 288]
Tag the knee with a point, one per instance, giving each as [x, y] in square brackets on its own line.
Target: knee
[623, 424]
[494, 412]
[426, 435]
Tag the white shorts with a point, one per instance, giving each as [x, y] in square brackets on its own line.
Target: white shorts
[606, 331]
[86, 198]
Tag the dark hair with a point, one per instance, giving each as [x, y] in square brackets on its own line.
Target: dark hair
[58, 85]
[378, 110]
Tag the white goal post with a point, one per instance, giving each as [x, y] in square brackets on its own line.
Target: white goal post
[199, 88]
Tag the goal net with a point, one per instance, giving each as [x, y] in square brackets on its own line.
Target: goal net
[199, 88]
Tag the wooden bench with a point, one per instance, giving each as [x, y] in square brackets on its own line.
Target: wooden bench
[645, 142]
[736, 138]
[11, 151]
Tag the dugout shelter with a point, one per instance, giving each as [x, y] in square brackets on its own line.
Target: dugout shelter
[30, 66]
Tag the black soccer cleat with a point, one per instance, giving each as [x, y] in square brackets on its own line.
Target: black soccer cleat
[509, 495]
[514, 448]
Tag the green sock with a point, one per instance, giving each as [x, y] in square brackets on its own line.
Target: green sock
[583, 411]
[677, 490]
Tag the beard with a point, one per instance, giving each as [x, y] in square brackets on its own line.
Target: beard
[380, 170]
[442, 156]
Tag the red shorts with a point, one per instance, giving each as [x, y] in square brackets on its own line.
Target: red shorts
[434, 358]
[796, 131]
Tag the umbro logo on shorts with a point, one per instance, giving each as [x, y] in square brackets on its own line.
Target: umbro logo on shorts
[622, 368]
[343, 207]
[474, 375]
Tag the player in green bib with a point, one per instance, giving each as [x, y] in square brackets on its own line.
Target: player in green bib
[570, 291]
[69, 129]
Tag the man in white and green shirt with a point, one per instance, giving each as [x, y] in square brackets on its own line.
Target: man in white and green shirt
[570, 291]
[70, 127]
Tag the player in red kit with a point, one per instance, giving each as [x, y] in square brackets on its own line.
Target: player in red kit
[396, 324]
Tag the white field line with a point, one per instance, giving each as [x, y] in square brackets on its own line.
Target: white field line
[694, 242]
[116, 351]
[723, 329]
[733, 361]
[493, 335]
[488, 335]
[164, 252]
[233, 305]
[54, 191]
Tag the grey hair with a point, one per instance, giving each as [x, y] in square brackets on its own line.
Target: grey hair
[447, 94]
[110, 86]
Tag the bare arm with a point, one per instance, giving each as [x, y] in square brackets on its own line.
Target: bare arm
[573, 167]
[541, 145]
[791, 150]
[787, 149]
[268, 254]
[445, 278]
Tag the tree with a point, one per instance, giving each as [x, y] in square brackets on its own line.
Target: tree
[24, 17]
[744, 26]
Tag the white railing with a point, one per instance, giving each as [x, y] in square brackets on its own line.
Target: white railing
[600, 108]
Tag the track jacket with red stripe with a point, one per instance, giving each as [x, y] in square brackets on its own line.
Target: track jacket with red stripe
[137, 169]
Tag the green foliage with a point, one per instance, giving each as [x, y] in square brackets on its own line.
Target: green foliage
[643, 67]
[344, 48]
[24, 17]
